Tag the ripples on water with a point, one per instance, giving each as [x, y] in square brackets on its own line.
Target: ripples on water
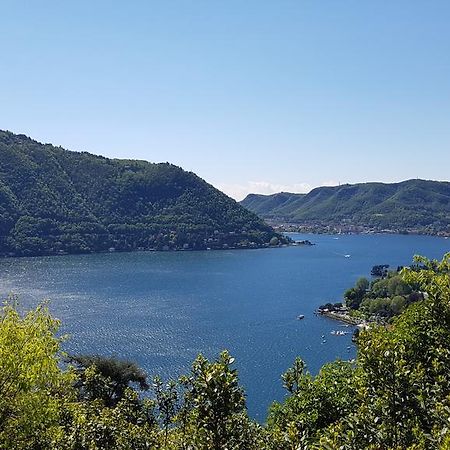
[162, 309]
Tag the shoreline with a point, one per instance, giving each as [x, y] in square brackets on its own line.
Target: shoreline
[171, 250]
[342, 318]
[318, 230]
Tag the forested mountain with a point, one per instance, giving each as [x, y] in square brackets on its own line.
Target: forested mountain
[415, 205]
[54, 201]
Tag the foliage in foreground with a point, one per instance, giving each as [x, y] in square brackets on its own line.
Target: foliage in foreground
[395, 396]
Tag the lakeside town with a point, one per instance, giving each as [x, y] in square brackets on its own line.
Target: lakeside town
[321, 227]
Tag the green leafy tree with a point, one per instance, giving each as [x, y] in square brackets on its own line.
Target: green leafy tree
[314, 403]
[89, 425]
[110, 380]
[293, 377]
[354, 296]
[32, 386]
[167, 402]
[218, 404]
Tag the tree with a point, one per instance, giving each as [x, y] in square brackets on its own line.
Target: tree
[293, 377]
[362, 284]
[379, 271]
[274, 241]
[314, 404]
[129, 425]
[354, 296]
[218, 402]
[166, 402]
[32, 386]
[110, 379]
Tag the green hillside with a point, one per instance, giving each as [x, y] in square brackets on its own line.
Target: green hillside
[55, 201]
[413, 205]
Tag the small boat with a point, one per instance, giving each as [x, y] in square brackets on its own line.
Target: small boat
[347, 256]
[339, 333]
[300, 317]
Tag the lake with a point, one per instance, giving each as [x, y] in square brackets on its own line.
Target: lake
[162, 309]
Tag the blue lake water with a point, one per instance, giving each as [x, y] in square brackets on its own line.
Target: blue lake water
[162, 309]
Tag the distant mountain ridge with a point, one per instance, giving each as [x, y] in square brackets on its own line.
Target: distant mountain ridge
[58, 201]
[412, 205]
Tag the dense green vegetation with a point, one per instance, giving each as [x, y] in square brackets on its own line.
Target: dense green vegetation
[395, 396]
[385, 296]
[413, 205]
[55, 201]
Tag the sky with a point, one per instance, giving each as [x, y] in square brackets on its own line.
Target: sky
[252, 95]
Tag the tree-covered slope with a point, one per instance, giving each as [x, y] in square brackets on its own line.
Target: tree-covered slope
[54, 200]
[262, 204]
[413, 204]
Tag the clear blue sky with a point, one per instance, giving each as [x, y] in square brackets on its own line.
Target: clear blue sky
[251, 95]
